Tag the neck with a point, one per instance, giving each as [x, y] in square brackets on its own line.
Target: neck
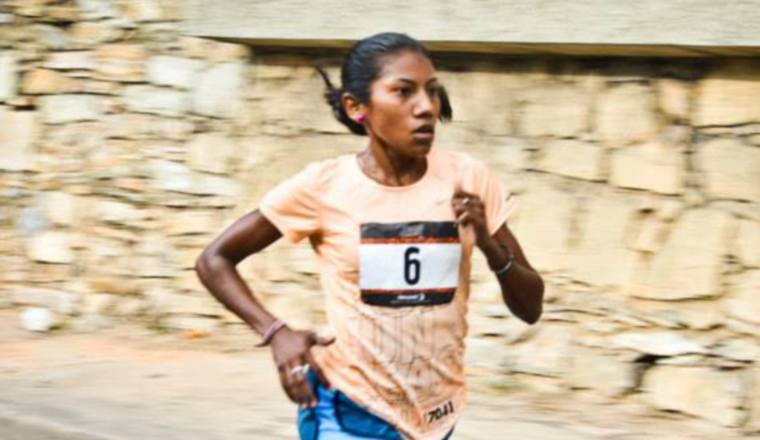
[387, 167]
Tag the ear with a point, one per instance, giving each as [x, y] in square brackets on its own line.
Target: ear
[354, 108]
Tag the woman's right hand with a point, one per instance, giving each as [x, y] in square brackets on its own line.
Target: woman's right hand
[291, 350]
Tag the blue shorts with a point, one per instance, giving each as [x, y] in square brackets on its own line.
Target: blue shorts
[336, 417]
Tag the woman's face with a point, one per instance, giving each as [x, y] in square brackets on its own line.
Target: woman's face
[404, 104]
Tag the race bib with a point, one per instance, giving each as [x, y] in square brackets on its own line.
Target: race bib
[409, 264]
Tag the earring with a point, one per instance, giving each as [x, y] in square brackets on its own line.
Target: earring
[361, 118]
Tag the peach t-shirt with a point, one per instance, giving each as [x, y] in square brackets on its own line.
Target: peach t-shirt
[395, 270]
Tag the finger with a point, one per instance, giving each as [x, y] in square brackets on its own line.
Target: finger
[321, 340]
[286, 385]
[304, 390]
[318, 370]
[464, 219]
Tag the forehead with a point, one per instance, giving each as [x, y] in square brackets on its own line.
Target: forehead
[406, 64]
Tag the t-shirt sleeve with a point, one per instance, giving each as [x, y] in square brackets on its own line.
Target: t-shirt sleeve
[293, 205]
[500, 204]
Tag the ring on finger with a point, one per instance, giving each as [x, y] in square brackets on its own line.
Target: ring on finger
[298, 369]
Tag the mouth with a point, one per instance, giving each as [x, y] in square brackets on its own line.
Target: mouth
[425, 131]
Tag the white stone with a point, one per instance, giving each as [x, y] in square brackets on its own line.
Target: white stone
[745, 350]
[51, 247]
[60, 109]
[605, 373]
[625, 115]
[572, 158]
[542, 223]
[715, 395]
[165, 70]
[219, 91]
[74, 60]
[560, 110]
[548, 353]
[96, 9]
[689, 265]
[729, 95]
[8, 76]
[748, 243]
[171, 176]
[160, 101]
[653, 166]
[597, 254]
[657, 343]
[212, 152]
[62, 208]
[37, 319]
[19, 131]
[744, 301]
[753, 424]
[117, 212]
[674, 98]
[730, 169]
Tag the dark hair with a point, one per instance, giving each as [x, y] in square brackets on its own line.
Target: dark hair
[361, 67]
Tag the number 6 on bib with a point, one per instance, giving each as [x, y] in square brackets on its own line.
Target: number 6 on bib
[409, 264]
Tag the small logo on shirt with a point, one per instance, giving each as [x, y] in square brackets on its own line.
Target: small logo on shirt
[440, 412]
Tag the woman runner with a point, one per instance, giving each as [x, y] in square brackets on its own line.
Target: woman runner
[393, 228]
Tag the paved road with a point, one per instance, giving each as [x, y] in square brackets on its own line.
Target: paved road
[128, 383]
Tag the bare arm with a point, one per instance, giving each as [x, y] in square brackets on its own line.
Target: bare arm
[521, 286]
[216, 268]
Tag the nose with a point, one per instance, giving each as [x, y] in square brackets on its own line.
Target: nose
[425, 105]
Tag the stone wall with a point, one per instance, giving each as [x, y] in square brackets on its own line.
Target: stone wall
[125, 147]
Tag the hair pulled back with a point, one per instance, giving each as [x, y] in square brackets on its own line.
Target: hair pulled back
[362, 66]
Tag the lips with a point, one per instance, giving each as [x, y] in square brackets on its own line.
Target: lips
[426, 128]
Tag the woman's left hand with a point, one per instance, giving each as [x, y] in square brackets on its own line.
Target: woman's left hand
[470, 210]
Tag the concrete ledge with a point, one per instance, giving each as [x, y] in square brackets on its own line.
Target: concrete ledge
[588, 27]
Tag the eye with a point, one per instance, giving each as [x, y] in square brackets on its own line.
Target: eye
[404, 91]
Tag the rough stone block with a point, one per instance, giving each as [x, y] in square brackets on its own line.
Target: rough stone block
[212, 152]
[747, 243]
[155, 100]
[653, 166]
[598, 254]
[744, 301]
[60, 109]
[690, 262]
[572, 158]
[86, 34]
[51, 247]
[19, 131]
[8, 76]
[557, 110]
[729, 95]
[542, 224]
[625, 115]
[715, 395]
[730, 169]
[164, 70]
[674, 98]
[219, 91]
[73, 60]
[48, 82]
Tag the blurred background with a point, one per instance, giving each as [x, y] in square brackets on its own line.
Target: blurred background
[133, 132]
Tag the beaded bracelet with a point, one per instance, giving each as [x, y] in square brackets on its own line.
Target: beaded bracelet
[273, 328]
